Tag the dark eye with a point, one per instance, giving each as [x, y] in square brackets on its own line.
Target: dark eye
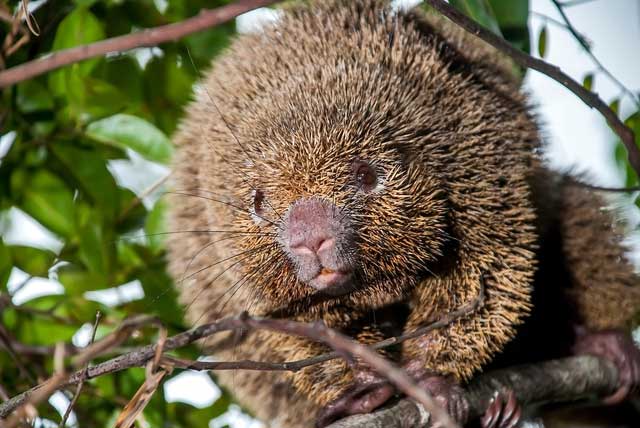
[258, 205]
[366, 177]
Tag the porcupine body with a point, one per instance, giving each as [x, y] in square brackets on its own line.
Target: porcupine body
[388, 162]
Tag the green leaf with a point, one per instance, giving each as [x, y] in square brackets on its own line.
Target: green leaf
[33, 261]
[80, 27]
[124, 73]
[132, 213]
[480, 11]
[47, 199]
[160, 296]
[90, 170]
[77, 280]
[32, 96]
[168, 83]
[90, 98]
[615, 105]
[542, 42]
[621, 154]
[587, 82]
[92, 248]
[633, 122]
[124, 130]
[156, 225]
[512, 17]
[6, 264]
[205, 45]
[40, 331]
[128, 256]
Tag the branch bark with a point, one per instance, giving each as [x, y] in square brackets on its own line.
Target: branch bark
[141, 356]
[589, 98]
[559, 380]
[149, 37]
[563, 380]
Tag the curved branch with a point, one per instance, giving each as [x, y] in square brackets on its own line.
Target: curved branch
[589, 98]
[562, 380]
[587, 48]
[149, 37]
[141, 356]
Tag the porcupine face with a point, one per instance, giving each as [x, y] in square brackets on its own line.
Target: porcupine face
[335, 206]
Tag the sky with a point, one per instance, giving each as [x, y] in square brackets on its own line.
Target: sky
[577, 138]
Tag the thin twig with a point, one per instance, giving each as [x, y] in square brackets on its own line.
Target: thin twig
[589, 98]
[84, 376]
[605, 188]
[570, 3]
[32, 24]
[344, 345]
[547, 18]
[155, 373]
[61, 377]
[587, 47]
[146, 192]
[141, 356]
[7, 342]
[148, 37]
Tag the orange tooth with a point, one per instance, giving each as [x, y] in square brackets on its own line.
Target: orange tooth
[326, 271]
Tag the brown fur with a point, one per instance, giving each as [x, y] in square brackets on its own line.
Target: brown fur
[441, 114]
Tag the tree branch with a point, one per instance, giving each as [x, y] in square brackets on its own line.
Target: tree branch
[587, 48]
[589, 98]
[558, 380]
[563, 380]
[149, 37]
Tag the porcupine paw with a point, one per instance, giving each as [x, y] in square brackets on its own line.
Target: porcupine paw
[363, 397]
[447, 393]
[619, 348]
[503, 411]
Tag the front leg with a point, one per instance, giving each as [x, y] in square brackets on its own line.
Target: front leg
[446, 357]
[618, 347]
[366, 391]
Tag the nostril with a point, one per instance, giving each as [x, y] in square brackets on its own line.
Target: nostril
[326, 244]
[301, 250]
[311, 245]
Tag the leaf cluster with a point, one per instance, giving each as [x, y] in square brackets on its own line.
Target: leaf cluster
[63, 136]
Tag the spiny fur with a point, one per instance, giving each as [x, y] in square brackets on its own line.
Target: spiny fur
[440, 117]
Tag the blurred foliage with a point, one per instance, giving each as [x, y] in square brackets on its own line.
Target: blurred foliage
[63, 131]
[68, 127]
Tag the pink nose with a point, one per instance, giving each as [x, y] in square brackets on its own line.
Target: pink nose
[311, 227]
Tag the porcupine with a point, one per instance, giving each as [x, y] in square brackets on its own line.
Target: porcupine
[388, 162]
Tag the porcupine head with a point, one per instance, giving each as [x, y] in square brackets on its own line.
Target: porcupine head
[342, 158]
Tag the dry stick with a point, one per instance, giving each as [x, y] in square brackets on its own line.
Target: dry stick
[149, 37]
[154, 376]
[60, 379]
[346, 346]
[589, 98]
[84, 375]
[562, 380]
[141, 356]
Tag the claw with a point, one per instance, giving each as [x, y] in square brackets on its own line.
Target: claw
[361, 398]
[501, 414]
[448, 394]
